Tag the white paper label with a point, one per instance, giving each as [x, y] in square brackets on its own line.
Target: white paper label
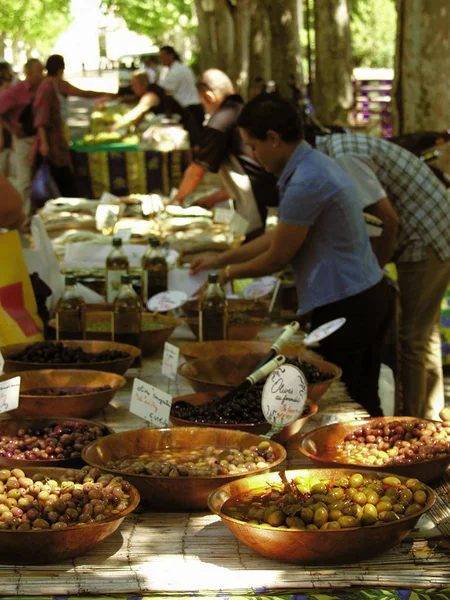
[170, 360]
[260, 287]
[113, 279]
[150, 403]
[106, 216]
[165, 301]
[223, 215]
[2, 363]
[108, 198]
[9, 394]
[323, 331]
[238, 224]
[284, 395]
[123, 234]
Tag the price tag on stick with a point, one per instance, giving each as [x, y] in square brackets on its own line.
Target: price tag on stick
[165, 301]
[170, 360]
[9, 394]
[323, 331]
[150, 403]
[284, 396]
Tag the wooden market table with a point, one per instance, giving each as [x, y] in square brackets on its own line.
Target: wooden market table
[126, 169]
[193, 554]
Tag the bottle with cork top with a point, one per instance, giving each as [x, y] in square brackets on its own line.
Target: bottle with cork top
[70, 312]
[127, 310]
[154, 270]
[213, 311]
[117, 264]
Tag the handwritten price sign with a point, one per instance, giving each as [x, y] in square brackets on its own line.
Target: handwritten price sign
[9, 394]
[170, 360]
[150, 403]
[324, 331]
[165, 301]
[284, 395]
[260, 287]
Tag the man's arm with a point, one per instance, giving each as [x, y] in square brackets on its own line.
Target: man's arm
[210, 201]
[135, 114]
[191, 180]
[385, 244]
[70, 90]
[12, 214]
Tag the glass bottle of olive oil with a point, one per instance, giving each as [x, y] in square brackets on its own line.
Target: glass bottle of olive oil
[70, 312]
[154, 270]
[127, 314]
[213, 311]
[117, 264]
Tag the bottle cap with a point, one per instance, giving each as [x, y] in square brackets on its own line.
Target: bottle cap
[213, 277]
[125, 279]
[70, 280]
[117, 242]
[154, 241]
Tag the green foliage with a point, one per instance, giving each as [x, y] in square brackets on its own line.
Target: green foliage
[161, 20]
[32, 21]
[373, 29]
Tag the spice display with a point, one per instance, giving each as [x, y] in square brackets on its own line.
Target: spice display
[313, 504]
[77, 498]
[196, 462]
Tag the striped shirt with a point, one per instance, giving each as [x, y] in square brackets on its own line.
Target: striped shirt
[421, 201]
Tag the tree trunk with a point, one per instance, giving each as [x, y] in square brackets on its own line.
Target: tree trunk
[216, 33]
[333, 94]
[2, 45]
[260, 54]
[421, 88]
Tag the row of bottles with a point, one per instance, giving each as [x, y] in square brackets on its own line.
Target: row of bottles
[154, 270]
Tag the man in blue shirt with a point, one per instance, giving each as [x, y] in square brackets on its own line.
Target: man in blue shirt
[322, 233]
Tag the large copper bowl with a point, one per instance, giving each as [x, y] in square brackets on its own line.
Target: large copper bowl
[119, 365]
[252, 308]
[225, 372]
[162, 327]
[312, 547]
[9, 427]
[47, 546]
[192, 350]
[73, 405]
[165, 493]
[256, 428]
[238, 332]
[320, 446]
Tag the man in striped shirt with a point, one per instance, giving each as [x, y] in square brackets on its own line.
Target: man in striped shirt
[414, 206]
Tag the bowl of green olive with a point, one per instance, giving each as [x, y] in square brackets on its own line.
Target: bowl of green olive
[321, 516]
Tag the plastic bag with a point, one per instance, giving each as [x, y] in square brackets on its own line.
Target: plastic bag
[43, 187]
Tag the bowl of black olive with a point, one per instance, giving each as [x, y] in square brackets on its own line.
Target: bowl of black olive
[70, 354]
[224, 372]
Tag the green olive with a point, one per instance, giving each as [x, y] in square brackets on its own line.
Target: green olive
[319, 488]
[334, 514]
[412, 509]
[276, 518]
[394, 481]
[347, 521]
[372, 497]
[360, 498]
[420, 497]
[370, 509]
[356, 480]
[330, 525]
[320, 517]
[307, 515]
[368, 519]
[383, 506]
[295, 523]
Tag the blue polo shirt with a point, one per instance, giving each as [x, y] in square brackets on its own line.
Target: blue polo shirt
[336, 260]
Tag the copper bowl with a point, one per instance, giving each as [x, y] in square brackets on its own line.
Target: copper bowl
[225, 372]
[118, 366]
[242, 331]
[47, 546]
[320, 446]
[74, 405]
[10, 427]
[312, 547]
[150, 339]
[256, 428]
[253, 308]
[166, 493]
[193, 350]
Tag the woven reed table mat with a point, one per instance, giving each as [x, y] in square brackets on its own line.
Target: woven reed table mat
[157, 553]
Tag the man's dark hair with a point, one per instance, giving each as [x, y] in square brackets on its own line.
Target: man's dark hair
[55, 62]
[271, 112]
[172, 51]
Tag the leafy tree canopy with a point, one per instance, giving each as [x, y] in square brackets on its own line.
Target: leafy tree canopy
[373, 29]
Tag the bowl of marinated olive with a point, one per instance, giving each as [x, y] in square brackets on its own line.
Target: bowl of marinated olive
[155, 329]
[321, 516]
[224, 372]
[242, 411]
[70, 354]
[50, 514]
[66, 392]
[405, 445]
[47, 441]
[176, 468]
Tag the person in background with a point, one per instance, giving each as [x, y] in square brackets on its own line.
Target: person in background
[151, 69]
[414, 206]
[16, 116]
[221, 150]
[12, 214]
[322, 233]
[5, 134]
[51, 142]
[180, 82]
[151, 98]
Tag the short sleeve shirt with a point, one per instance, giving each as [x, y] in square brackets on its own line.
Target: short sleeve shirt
[180, 80]
[421, 201]
[336, 260]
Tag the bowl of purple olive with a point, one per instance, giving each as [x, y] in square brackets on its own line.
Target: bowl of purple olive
[66, 392]
[408, 446]
[47, 441]
[93, 355]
